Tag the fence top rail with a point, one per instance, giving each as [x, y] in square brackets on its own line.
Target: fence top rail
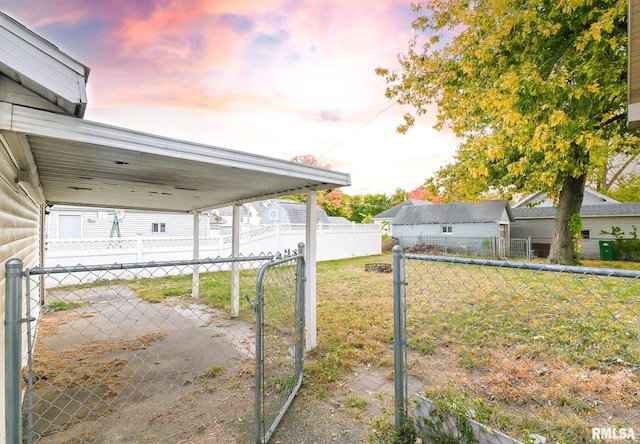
[137, 265]
[609, 272]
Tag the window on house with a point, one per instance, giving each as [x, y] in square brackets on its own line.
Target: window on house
[586, 234]
[447, 229]
[158, 227]
[273, 215]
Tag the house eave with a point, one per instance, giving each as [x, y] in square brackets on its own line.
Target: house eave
[41, 67]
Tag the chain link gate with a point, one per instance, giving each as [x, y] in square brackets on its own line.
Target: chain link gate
[541, 353]
[279, 341]
[124, 353]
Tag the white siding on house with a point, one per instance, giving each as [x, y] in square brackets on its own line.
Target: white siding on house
[19, 238]
[540, 230]
[99, 222]
[19, 218]
[537, 229]
[488, 229]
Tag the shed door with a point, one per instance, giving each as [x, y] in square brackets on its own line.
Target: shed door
[69, 226]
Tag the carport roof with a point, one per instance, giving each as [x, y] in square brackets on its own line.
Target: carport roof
[71, 161]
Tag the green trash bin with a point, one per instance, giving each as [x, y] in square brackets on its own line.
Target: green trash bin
[606, 250]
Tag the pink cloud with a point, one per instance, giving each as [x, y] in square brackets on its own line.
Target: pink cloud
[316, 59]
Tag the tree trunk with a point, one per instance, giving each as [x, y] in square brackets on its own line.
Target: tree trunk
[570, 201]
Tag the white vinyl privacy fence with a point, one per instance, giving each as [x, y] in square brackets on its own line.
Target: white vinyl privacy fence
[333, 242]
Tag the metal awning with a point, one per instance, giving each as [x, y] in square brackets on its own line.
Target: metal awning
[79, 162]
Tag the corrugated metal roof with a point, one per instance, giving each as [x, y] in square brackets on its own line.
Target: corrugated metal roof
[462, 212]
[629, 209]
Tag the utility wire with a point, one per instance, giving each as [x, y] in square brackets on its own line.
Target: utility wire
[358, 130]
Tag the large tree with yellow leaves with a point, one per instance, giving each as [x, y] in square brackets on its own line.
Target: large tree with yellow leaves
[535, 89]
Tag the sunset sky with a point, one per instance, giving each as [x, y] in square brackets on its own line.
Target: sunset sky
[281, 78]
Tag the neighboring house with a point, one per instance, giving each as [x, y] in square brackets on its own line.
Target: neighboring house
[464, 226]
[540, 199]
[67, 222]
[250, 214]
[537, 224]
[289, 212]
[388, 215]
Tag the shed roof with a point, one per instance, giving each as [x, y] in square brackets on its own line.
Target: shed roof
[452, 213]
[297, 212]
[612, 210]
[393, 211]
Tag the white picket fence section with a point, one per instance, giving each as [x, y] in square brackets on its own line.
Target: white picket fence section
[333, 242]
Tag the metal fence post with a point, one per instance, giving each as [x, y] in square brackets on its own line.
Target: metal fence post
[257, 306]
[398, 339]
[13, 351]
[300, 307]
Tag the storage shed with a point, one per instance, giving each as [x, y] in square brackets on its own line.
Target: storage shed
[465, 225]
[289, 212]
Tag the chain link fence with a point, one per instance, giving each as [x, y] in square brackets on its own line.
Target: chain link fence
[486, 247]
[533, 351]
[279, 347]
[125, 353]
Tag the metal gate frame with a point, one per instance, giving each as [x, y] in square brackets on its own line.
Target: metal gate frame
[291, 384]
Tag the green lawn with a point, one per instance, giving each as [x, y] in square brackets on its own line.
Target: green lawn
[509, 330]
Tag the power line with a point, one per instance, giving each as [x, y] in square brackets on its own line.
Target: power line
[359, 129]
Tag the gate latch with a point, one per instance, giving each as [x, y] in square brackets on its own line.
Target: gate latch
[253, 304]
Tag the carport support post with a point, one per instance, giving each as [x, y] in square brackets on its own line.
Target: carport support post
[310, 271]
[398, 339]
[195, 284]
[235, 266]
[13, 352]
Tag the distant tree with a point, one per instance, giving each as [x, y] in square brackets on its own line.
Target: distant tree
[365, 207]
[535, 91]
[609, 171]
[311, 160]
[418, 194]
[627, 190]
[398, 197]
[427, 192]
[334, 203]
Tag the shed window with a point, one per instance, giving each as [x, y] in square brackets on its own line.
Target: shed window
[273, 215]
[158, 227]
[586, 234]
[447, 229]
